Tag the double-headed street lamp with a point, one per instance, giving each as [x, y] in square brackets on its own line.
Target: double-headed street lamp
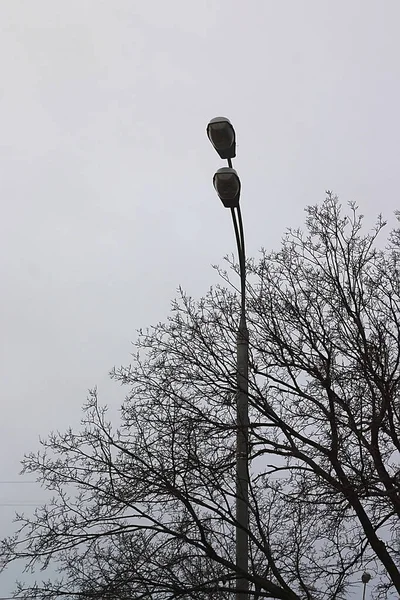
[227, 185]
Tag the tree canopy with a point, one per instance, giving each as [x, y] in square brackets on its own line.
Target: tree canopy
[144, 508]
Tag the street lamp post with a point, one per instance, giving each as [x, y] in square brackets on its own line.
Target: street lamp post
[227, 185]
[365, 578]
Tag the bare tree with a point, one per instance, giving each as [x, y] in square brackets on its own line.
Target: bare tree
[146, 510]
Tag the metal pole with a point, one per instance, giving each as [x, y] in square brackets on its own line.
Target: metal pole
[242, 473]
[242, 380]
[242, 425]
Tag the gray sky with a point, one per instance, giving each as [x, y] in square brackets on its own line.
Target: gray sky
[106, 171]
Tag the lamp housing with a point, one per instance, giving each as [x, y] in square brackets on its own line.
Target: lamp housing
[222, 135]
[227, 185]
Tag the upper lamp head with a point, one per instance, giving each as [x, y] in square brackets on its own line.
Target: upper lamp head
[227, 185]
[222, 136]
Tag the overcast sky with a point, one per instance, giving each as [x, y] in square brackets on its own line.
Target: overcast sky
[106, 171]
